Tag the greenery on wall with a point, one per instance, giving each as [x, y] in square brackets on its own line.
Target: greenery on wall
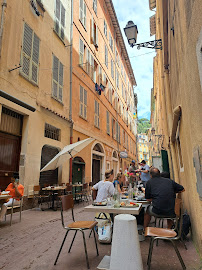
[143, 125]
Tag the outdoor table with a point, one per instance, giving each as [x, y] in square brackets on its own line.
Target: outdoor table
[113, 210]
[53, 190]
[4, 198]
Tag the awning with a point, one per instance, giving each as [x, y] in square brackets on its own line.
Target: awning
[176, 118]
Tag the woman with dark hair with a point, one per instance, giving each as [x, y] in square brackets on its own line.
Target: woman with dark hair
[119, 180]
[105, 187]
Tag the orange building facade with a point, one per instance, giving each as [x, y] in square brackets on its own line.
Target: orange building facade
[103, 100]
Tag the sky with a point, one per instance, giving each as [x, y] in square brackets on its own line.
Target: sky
[141, 60]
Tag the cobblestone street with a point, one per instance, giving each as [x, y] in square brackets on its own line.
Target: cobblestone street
[34, 243]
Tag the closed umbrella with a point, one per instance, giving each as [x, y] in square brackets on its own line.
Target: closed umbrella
[66, 153]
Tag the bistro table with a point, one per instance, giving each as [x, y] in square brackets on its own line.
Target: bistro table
[4, 198]
[53, 190]
[113, 210]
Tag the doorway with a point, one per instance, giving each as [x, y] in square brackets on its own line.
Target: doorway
[78, 170]
[96, 170]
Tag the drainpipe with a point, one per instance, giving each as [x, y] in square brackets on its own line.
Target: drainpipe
[70, 90]
[4, 5]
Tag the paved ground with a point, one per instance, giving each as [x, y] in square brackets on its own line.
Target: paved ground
[34, 243]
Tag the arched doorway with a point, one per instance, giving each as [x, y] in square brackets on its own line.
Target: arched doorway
[48, 177]
[78, 170]
[97, 163]
[115, 162]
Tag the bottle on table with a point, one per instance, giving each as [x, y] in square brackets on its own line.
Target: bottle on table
[116, 196]
[130, 192]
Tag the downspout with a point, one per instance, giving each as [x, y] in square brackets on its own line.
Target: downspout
[70, 91]
[4, 5]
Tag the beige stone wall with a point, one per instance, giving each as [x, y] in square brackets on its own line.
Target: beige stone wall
[180, 85]
[48, 110]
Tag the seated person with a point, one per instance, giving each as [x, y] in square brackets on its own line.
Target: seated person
[16, 192]
[161, 192]
[105, 188]
[119, 180]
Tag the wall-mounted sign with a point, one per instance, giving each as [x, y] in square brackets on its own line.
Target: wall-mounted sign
[123, 154]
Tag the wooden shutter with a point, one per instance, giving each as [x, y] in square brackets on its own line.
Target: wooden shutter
[85, 105]
[60, 81]
[55, 76]
[108, 123]
[81, 52]
[92, 67]
[98, 114]
[81, 10]
[92, 31]
[81, 101]
[35, 59]
[84, 15]
[62, 35]
[57, 10]
[96, 109]
[27, 50]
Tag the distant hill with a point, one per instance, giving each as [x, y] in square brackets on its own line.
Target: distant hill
[143, 125]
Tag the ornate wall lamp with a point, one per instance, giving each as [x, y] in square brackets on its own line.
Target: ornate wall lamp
[131, 32]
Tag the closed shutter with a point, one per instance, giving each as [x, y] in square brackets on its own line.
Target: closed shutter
[60, 82]
[108, 123]
[96, 35]
[55, 76]
[84, 15]
[81, 11]
[62, 34]
[35, 59]
[92, 67]
[81, 52]
[81, 101]
[95, 113]
[98, 114]
[85, 105]
[27, 49]
[57, 17]
[92, 30]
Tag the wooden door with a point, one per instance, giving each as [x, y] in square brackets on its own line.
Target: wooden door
[10, 146]
[96, 171]
[77, 173]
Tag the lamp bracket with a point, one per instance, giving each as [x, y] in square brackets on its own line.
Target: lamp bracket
[153, 44]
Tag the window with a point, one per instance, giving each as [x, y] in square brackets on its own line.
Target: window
[97, 114]
[110, 92]
[113, 129]
[81, 53]
[57, 91]
[88, 61]
[94, 33]
[59, 19]
[92, 68]
[83, 103]
[106, 56]
[110, 41]
[105, 28]
[108, 123]
[30, 55]
[82, 13]
[112, 68]
[52, 132]
[100, 75]
[117, 78]
[95, 6]
[95, 72]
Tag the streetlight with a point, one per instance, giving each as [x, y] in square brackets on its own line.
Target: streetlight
[131, 32]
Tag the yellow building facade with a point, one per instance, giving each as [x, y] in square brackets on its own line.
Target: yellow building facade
[177, 99]
[143, 148]
[34, 98]
[103, 100]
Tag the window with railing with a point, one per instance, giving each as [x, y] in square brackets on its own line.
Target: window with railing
[52, 132]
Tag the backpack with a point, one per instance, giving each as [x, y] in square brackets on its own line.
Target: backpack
[186, 224]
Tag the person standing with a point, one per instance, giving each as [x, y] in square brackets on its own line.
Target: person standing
[132, 173]
[16, 192]
[145, 176]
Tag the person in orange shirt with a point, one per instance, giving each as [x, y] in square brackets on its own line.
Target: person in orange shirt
[16, 192]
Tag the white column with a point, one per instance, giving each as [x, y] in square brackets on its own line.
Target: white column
[125, 252]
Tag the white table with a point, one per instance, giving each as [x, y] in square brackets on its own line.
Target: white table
[112, 210]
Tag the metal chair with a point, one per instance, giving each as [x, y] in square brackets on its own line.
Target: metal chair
[13, 207]
[40, 196]
[167, 234]
[68, 203]
[85, 192]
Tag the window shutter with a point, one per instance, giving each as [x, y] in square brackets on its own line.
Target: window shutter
[98, 113]
[92, 67]
[81, 11]
[108, 125]
[81, 52]
[27, 49]
[57, 13]
[92, 30]
[96, 41]
[95, 113]
[84, 15]
[85, 105]
[35, 59]
[62, 15]
[55, 76]
[60, 81]
[81, 101]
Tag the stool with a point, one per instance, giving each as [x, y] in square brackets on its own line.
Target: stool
[125, 251]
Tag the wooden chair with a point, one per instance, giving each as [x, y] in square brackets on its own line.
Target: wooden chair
[68, 203]
[167, 234]
[12, 209]
[85, 191]
[68, 189]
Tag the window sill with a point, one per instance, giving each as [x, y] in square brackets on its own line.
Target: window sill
[82, 25]
[27, 79]
[59, 37]
[83, 118]
[57, 100]
[97, 127]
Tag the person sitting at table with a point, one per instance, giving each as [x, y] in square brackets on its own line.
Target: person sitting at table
[104, 188]
[16, 192]
[161, 192]
[119, 180]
